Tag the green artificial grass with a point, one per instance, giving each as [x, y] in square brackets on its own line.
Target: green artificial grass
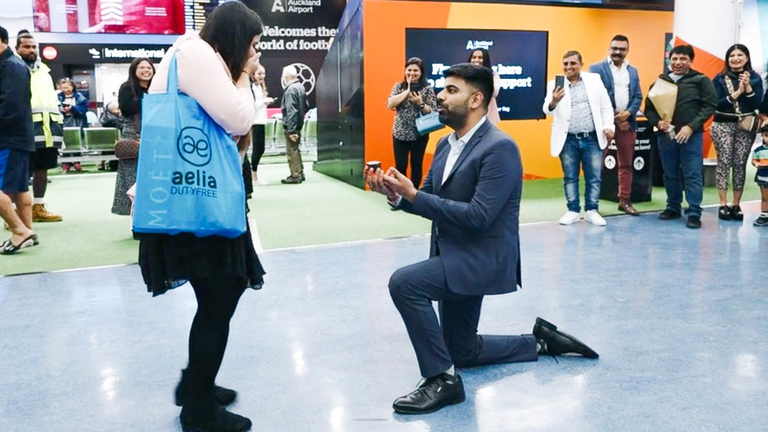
[319, 211]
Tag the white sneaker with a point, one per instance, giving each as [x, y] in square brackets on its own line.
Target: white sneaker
[570, 218]
[261, 183]
[594, 218]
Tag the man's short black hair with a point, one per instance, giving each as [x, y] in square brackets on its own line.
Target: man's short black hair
[23, 34]
[3, 35]
[764, 129]
[573, 53]
[479, 77]
[683, 50]
[620, 38]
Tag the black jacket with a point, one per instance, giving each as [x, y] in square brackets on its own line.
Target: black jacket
[16, 130]
[294, 107]
[696, 102]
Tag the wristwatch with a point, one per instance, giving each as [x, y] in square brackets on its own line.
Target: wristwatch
[421, 107]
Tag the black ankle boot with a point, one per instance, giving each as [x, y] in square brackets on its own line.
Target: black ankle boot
[222, 395]
[206, 415]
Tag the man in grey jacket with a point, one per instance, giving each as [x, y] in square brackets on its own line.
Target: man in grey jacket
[294, 106]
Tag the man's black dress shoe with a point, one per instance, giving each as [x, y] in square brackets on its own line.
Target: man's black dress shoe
[555, 343]
[434, 394]
[669, 215]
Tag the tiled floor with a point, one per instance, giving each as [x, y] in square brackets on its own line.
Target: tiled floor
[680, 318]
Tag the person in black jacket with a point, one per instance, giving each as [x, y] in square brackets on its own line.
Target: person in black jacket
[140, 75]
[17, 142]
[294, 105]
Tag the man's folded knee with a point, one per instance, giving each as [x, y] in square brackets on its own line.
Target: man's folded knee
[398, 282]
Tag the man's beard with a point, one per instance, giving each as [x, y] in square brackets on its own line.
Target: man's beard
[454, 118]
[29, 59]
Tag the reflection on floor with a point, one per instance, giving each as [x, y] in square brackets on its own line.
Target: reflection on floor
[678, 316]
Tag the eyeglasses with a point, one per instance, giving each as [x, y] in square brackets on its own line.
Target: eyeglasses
[618, 49]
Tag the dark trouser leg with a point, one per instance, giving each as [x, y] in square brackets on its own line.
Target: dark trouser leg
[216, 303]
[692, 165]
[402, 151]
[39, 183]
[294, 156]
[417, 160]
[258, 137]
[669, 152]
[459, 320]
[625, 147]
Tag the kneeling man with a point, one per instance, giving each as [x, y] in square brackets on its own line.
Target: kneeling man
[472, 195]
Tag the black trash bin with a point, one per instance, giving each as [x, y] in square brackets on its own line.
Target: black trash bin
[642, 171]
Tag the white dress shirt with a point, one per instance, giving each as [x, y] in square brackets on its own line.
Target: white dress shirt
[457, 145]
[620, 84]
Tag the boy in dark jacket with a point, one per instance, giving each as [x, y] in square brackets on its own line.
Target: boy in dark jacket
[294, 107]
[696, 103]
[17, 142]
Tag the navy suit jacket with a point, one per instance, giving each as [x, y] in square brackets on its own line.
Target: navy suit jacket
[475, 213]
[635, 91]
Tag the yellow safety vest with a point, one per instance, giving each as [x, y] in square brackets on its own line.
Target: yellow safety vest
[46, 116]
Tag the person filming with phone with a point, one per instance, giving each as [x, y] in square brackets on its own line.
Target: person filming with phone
[410, 99]
[582, 129]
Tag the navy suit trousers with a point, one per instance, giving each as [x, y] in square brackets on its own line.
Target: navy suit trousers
[456, 342]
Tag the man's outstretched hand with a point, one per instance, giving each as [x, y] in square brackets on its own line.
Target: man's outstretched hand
[400, 184]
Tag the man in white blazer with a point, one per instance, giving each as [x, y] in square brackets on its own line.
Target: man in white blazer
[582, 129]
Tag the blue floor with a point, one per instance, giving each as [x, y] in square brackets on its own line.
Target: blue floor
[679, 317]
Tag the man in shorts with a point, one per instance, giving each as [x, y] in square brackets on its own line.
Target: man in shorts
[17, 142]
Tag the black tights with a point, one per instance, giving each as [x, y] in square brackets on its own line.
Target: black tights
[414, 149]
[217, 300]
[39, 183]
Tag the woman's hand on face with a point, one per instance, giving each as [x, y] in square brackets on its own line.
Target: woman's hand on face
[252, 64]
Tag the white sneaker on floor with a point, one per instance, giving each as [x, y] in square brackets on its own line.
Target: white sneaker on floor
[570, 218]
[594, 218]
[261, 183]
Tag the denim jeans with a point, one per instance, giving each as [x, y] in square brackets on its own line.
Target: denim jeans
[581, 153]
[686, 159]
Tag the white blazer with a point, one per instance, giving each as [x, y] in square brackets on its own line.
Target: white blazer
[599, 102]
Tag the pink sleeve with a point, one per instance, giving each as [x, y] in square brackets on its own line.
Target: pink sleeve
[204, 76]
[496, 84]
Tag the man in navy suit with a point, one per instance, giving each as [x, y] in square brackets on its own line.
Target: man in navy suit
[472, 195]
[623, 84]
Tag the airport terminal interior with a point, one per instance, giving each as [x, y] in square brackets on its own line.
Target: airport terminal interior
[674, 303]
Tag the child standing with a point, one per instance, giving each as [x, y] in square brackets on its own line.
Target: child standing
[760, 160]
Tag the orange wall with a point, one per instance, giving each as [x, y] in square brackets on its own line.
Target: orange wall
[587, 30]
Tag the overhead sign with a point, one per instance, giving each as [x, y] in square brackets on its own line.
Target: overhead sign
[86, 54]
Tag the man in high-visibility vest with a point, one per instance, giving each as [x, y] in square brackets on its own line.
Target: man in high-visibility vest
[48, 123]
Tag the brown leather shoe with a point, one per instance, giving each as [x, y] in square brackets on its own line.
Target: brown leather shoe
[626, 207]
[41, 214]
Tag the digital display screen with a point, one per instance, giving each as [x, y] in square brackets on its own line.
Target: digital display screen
[164, 17]
[518, 57]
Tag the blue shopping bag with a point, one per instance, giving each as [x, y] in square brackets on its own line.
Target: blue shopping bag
[189, 177]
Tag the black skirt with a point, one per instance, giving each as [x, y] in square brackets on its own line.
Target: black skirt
[169, 261]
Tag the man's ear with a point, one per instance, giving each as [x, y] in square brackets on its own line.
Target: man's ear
[476, 100]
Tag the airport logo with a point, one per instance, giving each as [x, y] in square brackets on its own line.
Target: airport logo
[478, 44]
[295, 6]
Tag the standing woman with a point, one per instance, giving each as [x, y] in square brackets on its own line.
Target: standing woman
[73, 106]
[410, 98]
[258, 132]
[739, 93]
[215, 69]
[140, 75]
[482, 57]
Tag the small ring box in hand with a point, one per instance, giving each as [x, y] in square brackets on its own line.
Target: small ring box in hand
[373, 165]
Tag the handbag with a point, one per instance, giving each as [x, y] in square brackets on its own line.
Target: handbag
[189, 178]
[748, 122]
[427, 123]
[126, 149]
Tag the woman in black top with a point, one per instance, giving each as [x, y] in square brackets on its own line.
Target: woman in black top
[739, 92]
[140, 75]
[410, 98]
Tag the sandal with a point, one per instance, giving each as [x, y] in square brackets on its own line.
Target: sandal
[736, 213]
[724, 213]
[8, 248]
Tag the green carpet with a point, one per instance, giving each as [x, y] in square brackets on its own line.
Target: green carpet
[320, 211]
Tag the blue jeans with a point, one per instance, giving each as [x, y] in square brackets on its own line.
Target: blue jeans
[685, 159]
[581, 153]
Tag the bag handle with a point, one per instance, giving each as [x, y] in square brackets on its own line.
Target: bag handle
[172, 85]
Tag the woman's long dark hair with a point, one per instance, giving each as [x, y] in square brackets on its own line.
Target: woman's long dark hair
[486, 57]
[133, 79]
[745, 50]
[229, 30]
[416, 61]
